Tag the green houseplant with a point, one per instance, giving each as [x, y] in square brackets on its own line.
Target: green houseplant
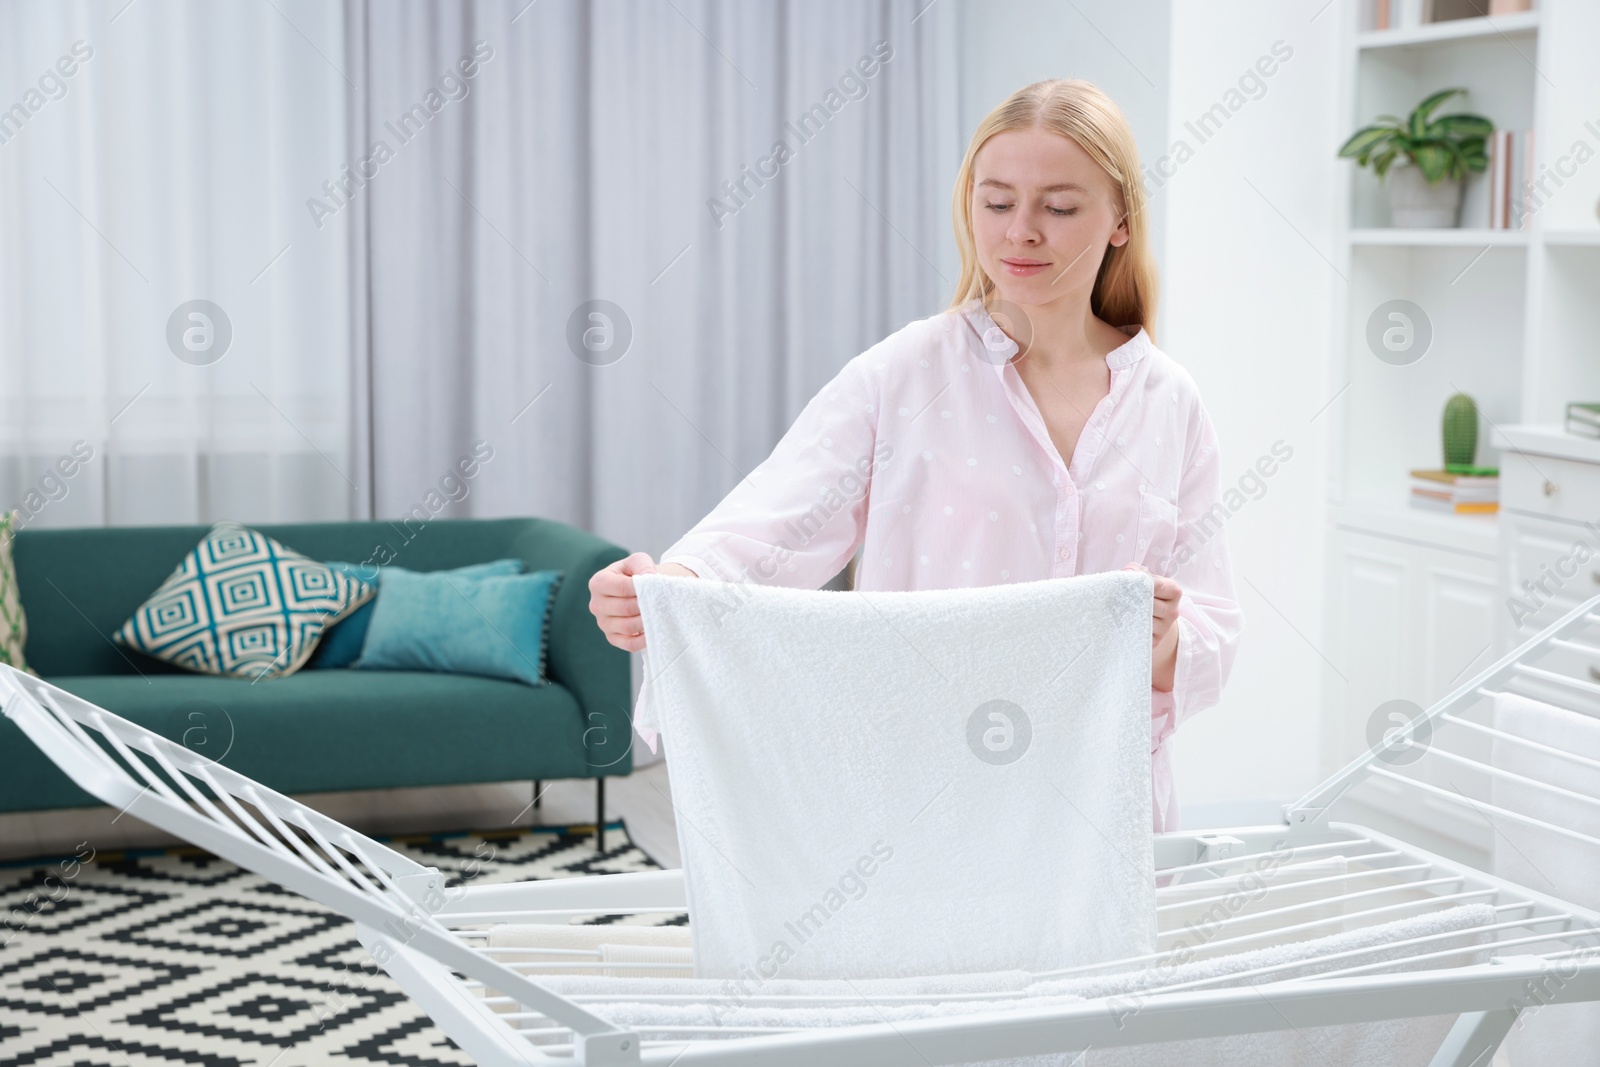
[1435, 157]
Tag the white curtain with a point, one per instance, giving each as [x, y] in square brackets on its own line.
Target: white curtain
[153, 155]
[403, 208]
[578, 167]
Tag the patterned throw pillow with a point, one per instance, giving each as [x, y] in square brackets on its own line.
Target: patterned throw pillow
[242, 604]
[13, 624]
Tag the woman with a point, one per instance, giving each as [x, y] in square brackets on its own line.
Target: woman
[1032, 430]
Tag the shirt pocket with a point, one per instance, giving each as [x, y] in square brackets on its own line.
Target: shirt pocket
[1157, 532]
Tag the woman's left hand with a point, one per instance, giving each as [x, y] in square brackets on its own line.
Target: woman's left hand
[1163, 628]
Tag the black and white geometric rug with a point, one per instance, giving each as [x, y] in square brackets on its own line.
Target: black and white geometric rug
[177, 957]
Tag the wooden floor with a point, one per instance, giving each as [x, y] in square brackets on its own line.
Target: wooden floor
[642, 799]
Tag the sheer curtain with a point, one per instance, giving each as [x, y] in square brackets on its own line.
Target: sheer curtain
[406, 213]
[625, 153]
[155, 155]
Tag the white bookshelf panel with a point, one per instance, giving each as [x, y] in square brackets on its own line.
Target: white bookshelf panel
[1473, 300]
[1569, 336]
[1569, 137]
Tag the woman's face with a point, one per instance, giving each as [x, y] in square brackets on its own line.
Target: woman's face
[1043, 213]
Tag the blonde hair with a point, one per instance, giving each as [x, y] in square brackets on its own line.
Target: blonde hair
[1125, 288]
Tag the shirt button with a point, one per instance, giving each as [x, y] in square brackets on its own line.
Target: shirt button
[1065, 553]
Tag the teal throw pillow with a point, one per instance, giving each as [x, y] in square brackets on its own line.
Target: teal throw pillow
[341, 646]
[242, 604]
[487, 625]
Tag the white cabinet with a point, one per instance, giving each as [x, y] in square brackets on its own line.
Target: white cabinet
[1549, 526]
[1407, 620]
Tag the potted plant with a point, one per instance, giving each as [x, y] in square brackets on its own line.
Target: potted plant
[1434, 156]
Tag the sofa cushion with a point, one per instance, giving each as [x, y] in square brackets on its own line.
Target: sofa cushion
[491, 625]
[13, 623]
[334, 730]
[241, 603]
[341, 644]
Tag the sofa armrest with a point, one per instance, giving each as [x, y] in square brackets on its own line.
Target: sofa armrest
[579, 657]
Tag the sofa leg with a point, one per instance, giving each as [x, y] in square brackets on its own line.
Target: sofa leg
[600, 815]
[538, 789]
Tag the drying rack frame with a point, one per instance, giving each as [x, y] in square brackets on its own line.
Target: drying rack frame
[427, 935]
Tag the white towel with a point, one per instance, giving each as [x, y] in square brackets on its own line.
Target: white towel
[1210, 911]
[1389, 1043]
[1547, 862]
[899, 783]
[721, 1007]
[559, 948]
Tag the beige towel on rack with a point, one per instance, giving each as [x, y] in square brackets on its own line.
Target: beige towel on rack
[1546, 862]
[716, 1009]
[556, 948]
[899, 783]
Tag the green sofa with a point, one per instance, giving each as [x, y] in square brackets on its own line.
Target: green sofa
[330, 729]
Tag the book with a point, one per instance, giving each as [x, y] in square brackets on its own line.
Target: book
[1430, 504]
[1463, 476]
[1456, 496]
[1583, 418]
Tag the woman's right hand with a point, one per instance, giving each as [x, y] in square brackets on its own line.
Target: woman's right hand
[614, 603]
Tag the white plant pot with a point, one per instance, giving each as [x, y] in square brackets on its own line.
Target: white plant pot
[1415, 204]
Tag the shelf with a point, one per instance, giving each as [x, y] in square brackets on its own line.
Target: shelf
[1573, 238]
[1521, 23]
[1440, 238]
[1545, 439]
[1477, 535]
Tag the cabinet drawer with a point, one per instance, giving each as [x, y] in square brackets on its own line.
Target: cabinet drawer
[1550, 487]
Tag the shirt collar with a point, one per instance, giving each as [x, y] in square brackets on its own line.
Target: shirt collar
[991, 345]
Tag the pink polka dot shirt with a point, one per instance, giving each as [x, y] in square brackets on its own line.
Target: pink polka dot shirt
[928, 453]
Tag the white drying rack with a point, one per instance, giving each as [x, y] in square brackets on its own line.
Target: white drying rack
[435, 944]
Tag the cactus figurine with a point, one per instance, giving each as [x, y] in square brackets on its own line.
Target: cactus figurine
[1460, 431]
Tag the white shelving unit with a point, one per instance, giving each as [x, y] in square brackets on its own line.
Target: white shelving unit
[1515, 316]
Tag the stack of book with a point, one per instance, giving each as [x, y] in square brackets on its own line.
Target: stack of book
[1459, 490]
[1583, 419]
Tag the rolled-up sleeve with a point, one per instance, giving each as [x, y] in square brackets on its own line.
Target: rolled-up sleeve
[798, 517]
[1209, 619]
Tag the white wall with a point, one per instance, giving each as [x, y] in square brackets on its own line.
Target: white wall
[1248, 311]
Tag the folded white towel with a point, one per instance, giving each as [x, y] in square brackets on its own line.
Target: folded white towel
[900, 783]
[1547, 862]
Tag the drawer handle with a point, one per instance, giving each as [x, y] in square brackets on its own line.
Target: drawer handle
[1550, 488]
[1594, 672]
